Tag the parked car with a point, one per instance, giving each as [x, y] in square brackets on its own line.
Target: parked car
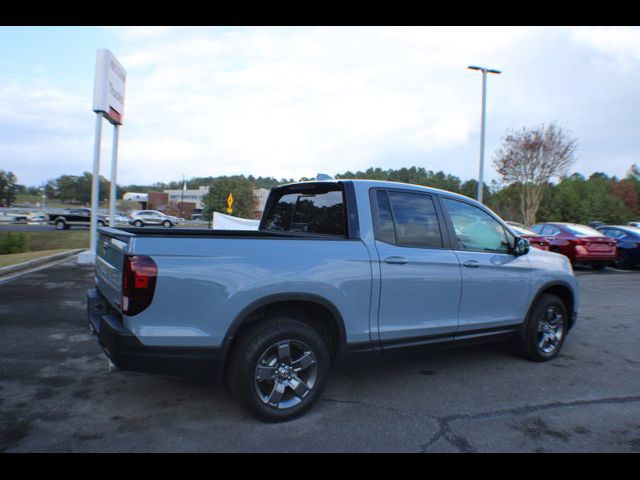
[40, 217]
[628, 244]
[634, 224]
[142, 218]
[80, 217]
[9, 217]
[595, 224]
[336, 268]
[535, 240]
[103, 220]
[582, 244]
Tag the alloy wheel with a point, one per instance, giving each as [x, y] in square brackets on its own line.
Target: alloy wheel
[550, 330]
[286, 374]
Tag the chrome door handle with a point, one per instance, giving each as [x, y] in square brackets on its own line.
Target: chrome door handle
[471, 264]
[396, 260]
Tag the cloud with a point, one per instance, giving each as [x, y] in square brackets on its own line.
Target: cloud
[294, 101]
[286, 102]
[620, 44]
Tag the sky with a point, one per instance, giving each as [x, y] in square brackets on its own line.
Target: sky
[292, 102]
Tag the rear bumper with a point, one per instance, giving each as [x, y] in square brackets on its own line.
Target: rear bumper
[126, 351]
[594, 258]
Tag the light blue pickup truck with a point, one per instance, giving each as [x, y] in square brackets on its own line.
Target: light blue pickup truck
[336, 268]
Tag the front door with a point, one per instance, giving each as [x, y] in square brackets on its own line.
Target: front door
[495, 282]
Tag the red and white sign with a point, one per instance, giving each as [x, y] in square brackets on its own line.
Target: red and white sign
[108, 94]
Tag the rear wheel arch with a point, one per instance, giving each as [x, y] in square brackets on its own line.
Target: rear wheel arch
[314, 310]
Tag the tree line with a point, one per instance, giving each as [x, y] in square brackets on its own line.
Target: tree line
[533, 164]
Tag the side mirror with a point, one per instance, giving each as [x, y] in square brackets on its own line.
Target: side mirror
[520, 246]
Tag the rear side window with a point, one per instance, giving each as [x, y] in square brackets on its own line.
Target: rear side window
[550, 230]
[407, 219]
[306, 212]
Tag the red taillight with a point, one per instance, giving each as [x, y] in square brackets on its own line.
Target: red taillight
[579, 247]
[138, 283]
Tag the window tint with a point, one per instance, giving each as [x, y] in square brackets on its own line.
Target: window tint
[613, 233]
[415, 220]
[583, 231]
[307, 212]
[476, 229]
[522, 230]
[386, 231]
[550, 230]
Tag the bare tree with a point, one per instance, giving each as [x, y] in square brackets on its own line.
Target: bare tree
[530, 158]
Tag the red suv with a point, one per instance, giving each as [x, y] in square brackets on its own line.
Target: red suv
[580, 243]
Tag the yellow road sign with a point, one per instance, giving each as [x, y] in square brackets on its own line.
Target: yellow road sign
[230, 201]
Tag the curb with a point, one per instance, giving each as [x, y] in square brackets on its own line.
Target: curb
[38, 262]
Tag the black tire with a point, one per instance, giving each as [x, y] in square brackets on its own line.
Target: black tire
[167, 224]
[624, 261]
[531, 343]
[62, 225]
[598, 266]
[138, 223]
[264, 341]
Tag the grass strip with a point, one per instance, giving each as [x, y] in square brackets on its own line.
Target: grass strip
[15, 258]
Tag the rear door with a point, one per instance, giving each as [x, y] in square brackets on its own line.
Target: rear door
[495, 283]
[419, 274]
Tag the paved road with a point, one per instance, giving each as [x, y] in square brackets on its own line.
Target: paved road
[21, 227]
[58, 395]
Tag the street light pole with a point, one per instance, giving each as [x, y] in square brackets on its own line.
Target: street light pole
[482, 125]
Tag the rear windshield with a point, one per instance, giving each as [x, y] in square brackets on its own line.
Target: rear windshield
[634, 231]
[583, 231]
[522, 230]
[307, 209]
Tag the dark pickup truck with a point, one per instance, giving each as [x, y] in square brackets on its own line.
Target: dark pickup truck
[80, 217]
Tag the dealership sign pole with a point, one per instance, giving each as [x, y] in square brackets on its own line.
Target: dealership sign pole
[108, 102]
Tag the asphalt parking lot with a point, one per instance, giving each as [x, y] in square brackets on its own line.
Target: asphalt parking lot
[57, 393]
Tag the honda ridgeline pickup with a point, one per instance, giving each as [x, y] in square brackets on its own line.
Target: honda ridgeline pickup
[336, 268]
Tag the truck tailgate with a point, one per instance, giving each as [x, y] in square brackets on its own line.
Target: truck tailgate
[110, 253]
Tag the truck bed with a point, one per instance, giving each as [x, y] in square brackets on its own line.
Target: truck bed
[125, 233]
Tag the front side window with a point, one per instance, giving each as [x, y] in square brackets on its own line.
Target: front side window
[475, 229]
[613, 233]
